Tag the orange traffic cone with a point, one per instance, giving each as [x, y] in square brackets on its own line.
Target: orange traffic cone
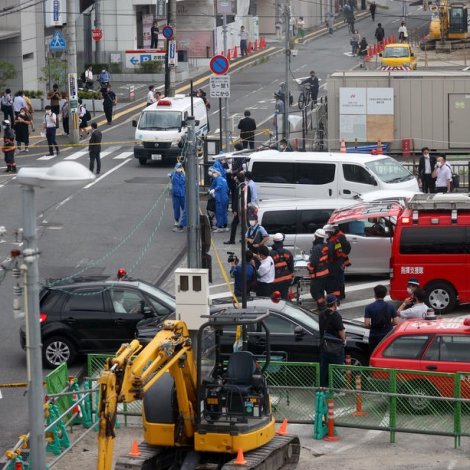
[262, 43]
[379, 147]
[255, 45]
[374, 50]
[240, 460]
[250, 47]
[342, 149]
[235, 52]
[282, 428]
[135, 452]
[228, 55]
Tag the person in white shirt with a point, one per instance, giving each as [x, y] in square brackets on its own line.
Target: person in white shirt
[443, 175]
[403, 32]
[265, 272]
[50, 120]
[118, 301]
[89, 78]
[151, 95]
[18, 103]
[418, 310]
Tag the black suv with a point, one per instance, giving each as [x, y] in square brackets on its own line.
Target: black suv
[95, 316]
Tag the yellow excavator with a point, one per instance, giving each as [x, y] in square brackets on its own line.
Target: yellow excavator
[448, 22]
[196, 414]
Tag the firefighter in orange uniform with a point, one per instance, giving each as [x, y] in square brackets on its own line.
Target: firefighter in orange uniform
[283, 266]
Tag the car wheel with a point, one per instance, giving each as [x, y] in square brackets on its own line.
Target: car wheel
[358, 359]
[441, 297]
[417, 403]
[57, 350]
[142, 160]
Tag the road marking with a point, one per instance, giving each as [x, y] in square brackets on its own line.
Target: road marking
[106, 174]
[109, 150]
[46, 157]
[76, 155]
[123, 155]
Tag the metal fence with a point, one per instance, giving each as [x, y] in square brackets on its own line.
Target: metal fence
[461, 169]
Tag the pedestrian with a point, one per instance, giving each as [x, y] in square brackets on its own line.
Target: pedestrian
[22, 123]
[236, 273]
[314, 85]
[301, 28]
[318, 269]
[104, 78]
[29, 110]
[243, 42]
[49, 123]
[239, 180]
[278, 27]
[55, 96]
[265, 272]
[203, 95]
[252, 197]
[426, 165]
[443, 175]
[109, 101]
[411, 286]
[330, 22]
[278, 118]
[402, 32]
[178, 196]
[94, 148]
[64, 111]
[18, 103]
[154, 35]
[89, 80]
[7, 106]
[219, 165]
[256, 235]
[220, 192]
[372, 8]
[379, 33]
[151, 95]
[284, 146]
[355, 38]
[418, 310]
[84, 116]
[363, 46]
[283, 266]
[9, 146]
[338, 251]
[247, 127]
[379, 317]
[332, 338]
[293, 23]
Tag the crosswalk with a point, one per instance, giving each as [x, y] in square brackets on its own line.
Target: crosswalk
[116, 152]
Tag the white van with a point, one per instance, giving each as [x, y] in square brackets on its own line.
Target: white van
[326, 175]
[161, 128]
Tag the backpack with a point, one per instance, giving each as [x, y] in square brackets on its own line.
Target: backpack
[87, 115]
[455, 179]
[381, 319]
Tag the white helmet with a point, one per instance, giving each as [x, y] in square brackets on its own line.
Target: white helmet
[320, 233]
[278, 237]
[330, 228]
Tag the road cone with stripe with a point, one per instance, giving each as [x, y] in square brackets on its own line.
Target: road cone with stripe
[379, 147]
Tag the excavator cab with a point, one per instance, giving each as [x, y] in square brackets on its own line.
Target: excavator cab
[458, 25]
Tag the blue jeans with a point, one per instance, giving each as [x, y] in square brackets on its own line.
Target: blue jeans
[325, 361]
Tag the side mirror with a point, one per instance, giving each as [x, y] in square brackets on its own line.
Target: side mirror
[134, 123]
[380, 55]
[299, 332]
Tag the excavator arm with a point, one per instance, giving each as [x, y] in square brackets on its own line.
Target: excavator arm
[133, 370]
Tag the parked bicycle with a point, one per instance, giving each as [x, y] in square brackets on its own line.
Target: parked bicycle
[304, 97]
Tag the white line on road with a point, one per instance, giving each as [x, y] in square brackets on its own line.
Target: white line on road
[123, 155]
[46, 157]
[106, 174]
[109, 150]
[76, 155]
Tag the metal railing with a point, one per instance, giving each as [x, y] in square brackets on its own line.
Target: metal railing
[461, 169]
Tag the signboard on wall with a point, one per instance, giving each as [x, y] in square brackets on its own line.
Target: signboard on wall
[366, 114]
[55, 13]
[226, 7]
[147, 22]
[135, 58]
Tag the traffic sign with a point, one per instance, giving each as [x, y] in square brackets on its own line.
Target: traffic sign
[97, 34]
[172, 52]
[219, 64]
[220, 86]
[57, 42]
[167, 32]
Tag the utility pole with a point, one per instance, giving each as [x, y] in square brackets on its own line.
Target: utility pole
[33, 349]
[98, 55]
[72, 72]
[226, 111]
[286, 73]
[170, 70]
[87, 42]
[192, 200]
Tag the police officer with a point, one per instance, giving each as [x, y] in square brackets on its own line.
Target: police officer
[338, 251]
[283, 266]
[318, 268]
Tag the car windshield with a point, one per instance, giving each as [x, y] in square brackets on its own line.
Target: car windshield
[389, 170]
[158, 293]
[160, 120]
[300, 315]
[395, 52]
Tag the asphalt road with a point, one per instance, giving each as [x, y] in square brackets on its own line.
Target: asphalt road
[112, 222]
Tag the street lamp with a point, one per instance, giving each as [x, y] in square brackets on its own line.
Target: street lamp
[60, 174]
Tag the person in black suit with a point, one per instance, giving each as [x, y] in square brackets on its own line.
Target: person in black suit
[425, 167]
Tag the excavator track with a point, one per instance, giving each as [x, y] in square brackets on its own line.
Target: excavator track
[151, 457]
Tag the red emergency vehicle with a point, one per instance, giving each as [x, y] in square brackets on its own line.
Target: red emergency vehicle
[432, 243]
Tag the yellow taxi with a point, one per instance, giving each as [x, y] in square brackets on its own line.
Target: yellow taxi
[397, 57]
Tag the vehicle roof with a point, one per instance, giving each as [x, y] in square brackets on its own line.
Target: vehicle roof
[398, 44]
[333, 203]
[441, 325]
[275, 155]
[178, 103]
[387, 195]
[94, 283]
[366, 210]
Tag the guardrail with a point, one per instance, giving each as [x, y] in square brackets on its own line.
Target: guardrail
[461, 169]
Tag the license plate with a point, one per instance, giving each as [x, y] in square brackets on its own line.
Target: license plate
[156, 157]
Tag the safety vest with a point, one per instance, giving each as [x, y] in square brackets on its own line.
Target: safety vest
[321, 268]
[281, 260]
[341, 248]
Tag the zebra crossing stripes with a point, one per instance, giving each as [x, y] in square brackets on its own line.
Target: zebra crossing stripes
[123, 155]
[76, 155]
[82, 153]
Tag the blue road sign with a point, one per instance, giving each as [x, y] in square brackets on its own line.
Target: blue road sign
[57, 42]
[167, 31]
[219, 64]
[134, 60]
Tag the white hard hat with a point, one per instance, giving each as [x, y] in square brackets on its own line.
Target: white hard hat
[330, 228]
[278, 237]
[320, 233]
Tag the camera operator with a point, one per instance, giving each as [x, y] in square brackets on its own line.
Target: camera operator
[236, 272]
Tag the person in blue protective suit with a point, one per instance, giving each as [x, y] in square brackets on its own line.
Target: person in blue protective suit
[178, 192]
[219, 189]
[219, 166]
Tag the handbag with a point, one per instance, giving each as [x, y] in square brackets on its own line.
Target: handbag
[332, 345]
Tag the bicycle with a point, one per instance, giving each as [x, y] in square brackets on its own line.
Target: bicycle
[304, 97]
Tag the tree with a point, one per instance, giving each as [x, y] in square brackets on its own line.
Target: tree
[55, 71]
[7, 72]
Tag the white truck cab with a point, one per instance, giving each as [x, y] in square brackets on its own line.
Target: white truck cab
[161, 128]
